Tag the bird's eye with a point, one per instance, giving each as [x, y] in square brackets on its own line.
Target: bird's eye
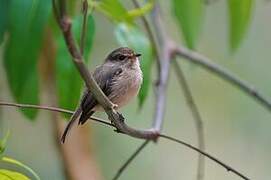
[121, 57]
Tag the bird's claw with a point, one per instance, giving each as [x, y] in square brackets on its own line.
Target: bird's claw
[121, 118]
[115, 106]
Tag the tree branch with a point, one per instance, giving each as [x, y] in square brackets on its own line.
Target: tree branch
[84, 26]
[150, 35]
[227, 167]
[130, 159]
[223, 73]
[49, 108]
[196, 116]
[164, 61]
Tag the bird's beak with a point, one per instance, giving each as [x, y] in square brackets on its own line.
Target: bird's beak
[137, 55]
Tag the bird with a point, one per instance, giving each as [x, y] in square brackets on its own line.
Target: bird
[119, 77]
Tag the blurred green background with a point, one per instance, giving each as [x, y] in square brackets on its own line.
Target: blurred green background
[237, 129]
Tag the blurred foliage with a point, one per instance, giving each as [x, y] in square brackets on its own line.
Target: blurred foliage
[3, 17]
[3, 142]
[68, 81]
[115, 10]
[7, 174]
[131, 36]
[189, 14]
[19, 164]
[12, 175]
[239, 15]
[26, 23]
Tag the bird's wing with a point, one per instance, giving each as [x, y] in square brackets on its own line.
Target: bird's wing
[104, 76]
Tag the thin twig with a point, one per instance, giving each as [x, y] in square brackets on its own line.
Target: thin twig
[229, 168]
[223, 73]
[84, 26]
[130, 159]
[150, 35]
[49, 108]
[196, 116]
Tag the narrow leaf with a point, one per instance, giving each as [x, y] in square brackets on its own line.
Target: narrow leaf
[69, 82]
[12, 175]
[27, 20]
[3, 142]
[18, 163]
[189, 14]
[240, 15]
[113, 9]
[131, 36]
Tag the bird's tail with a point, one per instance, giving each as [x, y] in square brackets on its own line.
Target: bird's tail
[74, 117]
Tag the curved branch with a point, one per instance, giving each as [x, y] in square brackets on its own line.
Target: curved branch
[49, 108]
[223, 73]
[229, 168]
[196, 116]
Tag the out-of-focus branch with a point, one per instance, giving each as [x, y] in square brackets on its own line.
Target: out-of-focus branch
[150, 35]
[84, 26]
[49, 108]
[196, 116]
[223, 73]
[227, 167]
[164, 61]
[116, 118]
[130, 159]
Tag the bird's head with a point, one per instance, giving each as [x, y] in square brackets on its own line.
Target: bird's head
[123, 56]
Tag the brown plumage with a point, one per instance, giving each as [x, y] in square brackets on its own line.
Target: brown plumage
[119, 77]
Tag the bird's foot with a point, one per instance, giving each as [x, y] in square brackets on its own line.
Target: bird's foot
[121, 117]
[115, 106]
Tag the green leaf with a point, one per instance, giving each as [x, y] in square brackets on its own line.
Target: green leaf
[137, 12]
[113, 9]
[12, 175]
[118, 13]
[240, 15]
[189, 14]
[18, 163]
[131, 36]
[27, 20]
[3, 17]
[69, 82]
[3, 142]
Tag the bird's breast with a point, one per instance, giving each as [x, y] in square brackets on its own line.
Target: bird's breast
[125, 87]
